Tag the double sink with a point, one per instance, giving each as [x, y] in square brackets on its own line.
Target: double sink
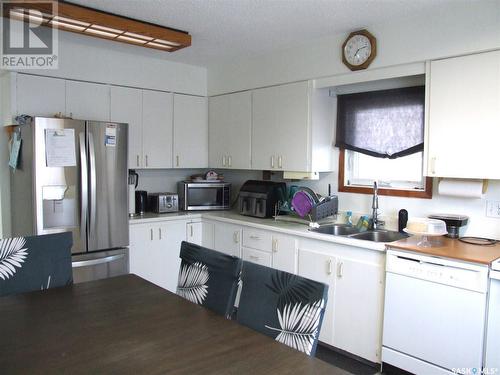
[377, 235]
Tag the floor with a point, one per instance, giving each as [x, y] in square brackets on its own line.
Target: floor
[353, 366]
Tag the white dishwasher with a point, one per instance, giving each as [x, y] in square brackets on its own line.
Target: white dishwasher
[434, 314]
[492, 361]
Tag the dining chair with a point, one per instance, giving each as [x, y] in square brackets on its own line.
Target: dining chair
[286, 307]
[35, 263]
[209, 278]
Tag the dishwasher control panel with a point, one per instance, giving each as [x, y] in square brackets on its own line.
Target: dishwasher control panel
[444, 271]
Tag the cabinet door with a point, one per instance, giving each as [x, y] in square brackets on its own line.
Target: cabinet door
[464, 116]
[256, 256]
[194, 233]
[230, 123]
[284, 253]
[190, 132]
[320, 267]
[29, 90]
[87, 101]
[357, 316]
[140, 261]
[227, 239]
[157, 129]
[280, 133]
[126, 106]
[172, 234]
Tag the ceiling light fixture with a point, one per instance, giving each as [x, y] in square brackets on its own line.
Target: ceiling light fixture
[96, 23]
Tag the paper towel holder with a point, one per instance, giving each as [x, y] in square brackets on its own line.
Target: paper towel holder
[485, 183]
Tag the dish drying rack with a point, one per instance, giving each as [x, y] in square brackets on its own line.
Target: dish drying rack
[322, 212]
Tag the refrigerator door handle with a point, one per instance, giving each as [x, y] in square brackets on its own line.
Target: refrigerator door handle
[84, 186]
[93, 262]
[93, 184]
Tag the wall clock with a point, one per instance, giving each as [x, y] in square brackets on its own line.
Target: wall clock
[359, 50]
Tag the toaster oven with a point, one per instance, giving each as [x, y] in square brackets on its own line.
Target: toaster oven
[163, 202]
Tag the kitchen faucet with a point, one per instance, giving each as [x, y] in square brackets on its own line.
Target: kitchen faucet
[375, 220]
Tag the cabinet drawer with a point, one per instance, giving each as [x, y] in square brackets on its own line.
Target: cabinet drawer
[256, 256]
[257, 239]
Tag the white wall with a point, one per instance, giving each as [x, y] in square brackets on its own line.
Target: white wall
[165, 180]
[465, 27]
[97, 60]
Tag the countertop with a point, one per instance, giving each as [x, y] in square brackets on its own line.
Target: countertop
[285, 227]
[445, 247]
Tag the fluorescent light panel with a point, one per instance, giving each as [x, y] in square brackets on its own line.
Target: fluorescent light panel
[64, 25]
[138, 36]
[168, 43]
[105, 34]
[163, 46]
[107, 29]
[70, 20]
[129, 39]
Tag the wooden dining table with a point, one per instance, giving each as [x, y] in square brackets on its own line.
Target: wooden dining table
[128, 325]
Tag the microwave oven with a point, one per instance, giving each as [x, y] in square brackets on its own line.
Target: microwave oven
[210, 195]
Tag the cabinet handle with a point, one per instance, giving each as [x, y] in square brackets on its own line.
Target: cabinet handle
[253, 257]
[224, 161]
[255, 237]
[235, 237]
[177, 160]
[275, 245]
[159, 233]
[272, 161]
[433, 165]
[280, 162]
[151, 230]
[146, 160]
[191, 229]
[229, 161]
[340, 270]
[137, 160]
[329, 267]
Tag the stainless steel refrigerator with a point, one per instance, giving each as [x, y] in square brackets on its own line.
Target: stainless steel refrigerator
[72, 176]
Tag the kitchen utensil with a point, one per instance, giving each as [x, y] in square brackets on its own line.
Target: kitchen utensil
[302, 203]
[425, 228]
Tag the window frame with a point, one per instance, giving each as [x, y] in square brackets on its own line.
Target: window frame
[425, 194]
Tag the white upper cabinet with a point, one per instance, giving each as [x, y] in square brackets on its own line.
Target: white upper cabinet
[87, 101]
[230, 123]
[157, 129]
[126, 106]
[190, 131]
[463, 126]
[292, 128]
[29, 91]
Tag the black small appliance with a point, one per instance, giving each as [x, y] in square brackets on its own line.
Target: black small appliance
[141, 201]
[260, 198]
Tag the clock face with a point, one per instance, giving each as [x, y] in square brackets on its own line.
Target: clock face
[357, 50]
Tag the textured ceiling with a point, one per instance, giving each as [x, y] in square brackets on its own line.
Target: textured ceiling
[226, 29]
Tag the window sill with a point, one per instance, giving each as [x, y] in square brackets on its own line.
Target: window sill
[424, 194]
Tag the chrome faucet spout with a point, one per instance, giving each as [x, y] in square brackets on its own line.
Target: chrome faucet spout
[375, 221]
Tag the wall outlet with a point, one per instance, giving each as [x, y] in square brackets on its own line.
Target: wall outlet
[493, 209]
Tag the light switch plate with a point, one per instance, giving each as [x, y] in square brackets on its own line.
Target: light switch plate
[493, 209]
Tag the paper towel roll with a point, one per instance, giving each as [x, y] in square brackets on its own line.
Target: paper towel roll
[461, 188]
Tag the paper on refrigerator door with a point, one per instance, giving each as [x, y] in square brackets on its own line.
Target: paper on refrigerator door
[110, 135]
[60, 148]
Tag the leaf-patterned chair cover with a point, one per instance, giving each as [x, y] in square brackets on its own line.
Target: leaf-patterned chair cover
[208, 277]
[35, 263]
[287, 307]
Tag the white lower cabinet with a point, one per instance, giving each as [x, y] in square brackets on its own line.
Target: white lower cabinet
[355, 277]
[227, 239]
[263, 258]
[200, 233]
[154, 251]
[319, 267]
[284, 253]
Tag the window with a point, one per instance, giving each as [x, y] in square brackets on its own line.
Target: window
[380, 135]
